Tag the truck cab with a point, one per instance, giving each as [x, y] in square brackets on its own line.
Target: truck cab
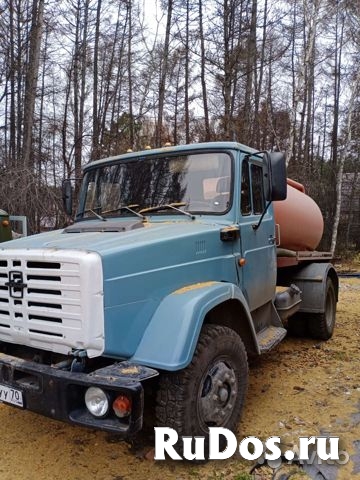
[168, 277]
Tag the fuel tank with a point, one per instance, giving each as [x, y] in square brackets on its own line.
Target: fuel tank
[300, 219]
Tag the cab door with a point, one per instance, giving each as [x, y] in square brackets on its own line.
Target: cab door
[257, 245]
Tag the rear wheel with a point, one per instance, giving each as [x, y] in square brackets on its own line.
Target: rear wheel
[321, 325]
[210, 392]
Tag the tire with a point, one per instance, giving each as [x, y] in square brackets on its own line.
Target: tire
[210, 392]
[321, 325]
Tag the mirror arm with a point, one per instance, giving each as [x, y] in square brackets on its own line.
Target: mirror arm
[255, 226]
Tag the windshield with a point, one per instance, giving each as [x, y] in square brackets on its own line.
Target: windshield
[196, 183]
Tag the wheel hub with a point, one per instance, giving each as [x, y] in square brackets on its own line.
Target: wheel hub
[218, 395]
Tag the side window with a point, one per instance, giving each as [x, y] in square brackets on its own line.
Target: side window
[257, 189]
[245, 189]
[252, 189]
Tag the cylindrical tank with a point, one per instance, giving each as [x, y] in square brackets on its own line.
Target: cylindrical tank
[300, 219]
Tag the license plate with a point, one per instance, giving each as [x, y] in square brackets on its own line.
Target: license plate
[11, 395]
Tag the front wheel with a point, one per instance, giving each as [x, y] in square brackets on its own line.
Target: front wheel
[321, 325]
[210, 392]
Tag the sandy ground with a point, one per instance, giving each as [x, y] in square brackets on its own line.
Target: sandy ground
[302, 388]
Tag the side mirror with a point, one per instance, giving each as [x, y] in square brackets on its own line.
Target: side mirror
[67, 196]
[277, 176]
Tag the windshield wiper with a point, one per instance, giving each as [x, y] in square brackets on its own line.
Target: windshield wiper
[129, 208]
[172, 206]
[89, 210]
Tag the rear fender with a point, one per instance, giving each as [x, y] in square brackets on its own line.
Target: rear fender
[170, 338]
[311, 279]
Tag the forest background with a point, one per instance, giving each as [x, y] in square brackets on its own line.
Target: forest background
[85, 79]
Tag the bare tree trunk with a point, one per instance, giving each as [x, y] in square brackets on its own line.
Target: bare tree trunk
[79, 84]
[31, 79]
[176, 104]
[301, 74]
[231, 62]
[64, 127]
[12, 80]
[131, 110]
[227, 69]
[40, 154]
[163, 76]
[187, 61]
[310, 85]
[337, 82]
[96, 122]
[250, 73]
[112, 93]
[259, 79]
[203, 74]
[19, 82]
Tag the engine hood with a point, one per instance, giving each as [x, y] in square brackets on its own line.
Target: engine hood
[109, 237]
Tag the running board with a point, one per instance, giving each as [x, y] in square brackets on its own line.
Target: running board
[269, 337]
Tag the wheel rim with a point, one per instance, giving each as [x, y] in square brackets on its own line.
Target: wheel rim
[217, 395]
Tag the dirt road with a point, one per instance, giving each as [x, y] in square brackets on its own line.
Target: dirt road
[302, 388]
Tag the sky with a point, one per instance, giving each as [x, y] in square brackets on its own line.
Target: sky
[152, 13]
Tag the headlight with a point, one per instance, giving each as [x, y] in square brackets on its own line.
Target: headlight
[97, 402]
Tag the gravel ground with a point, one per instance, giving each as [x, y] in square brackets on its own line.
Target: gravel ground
[302, 388]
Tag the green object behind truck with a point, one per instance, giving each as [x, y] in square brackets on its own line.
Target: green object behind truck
[12, 226]
[5, 227]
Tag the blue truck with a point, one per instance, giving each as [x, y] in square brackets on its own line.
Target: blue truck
[169, 278]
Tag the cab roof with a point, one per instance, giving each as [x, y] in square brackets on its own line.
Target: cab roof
[193, 147]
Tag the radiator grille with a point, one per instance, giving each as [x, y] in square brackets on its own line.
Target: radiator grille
[58, 305]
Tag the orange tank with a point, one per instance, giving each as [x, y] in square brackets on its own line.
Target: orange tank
[300, 219]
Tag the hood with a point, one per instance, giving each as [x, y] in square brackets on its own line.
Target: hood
[112, 236]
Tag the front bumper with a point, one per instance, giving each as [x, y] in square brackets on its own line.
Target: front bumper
[59, 394]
